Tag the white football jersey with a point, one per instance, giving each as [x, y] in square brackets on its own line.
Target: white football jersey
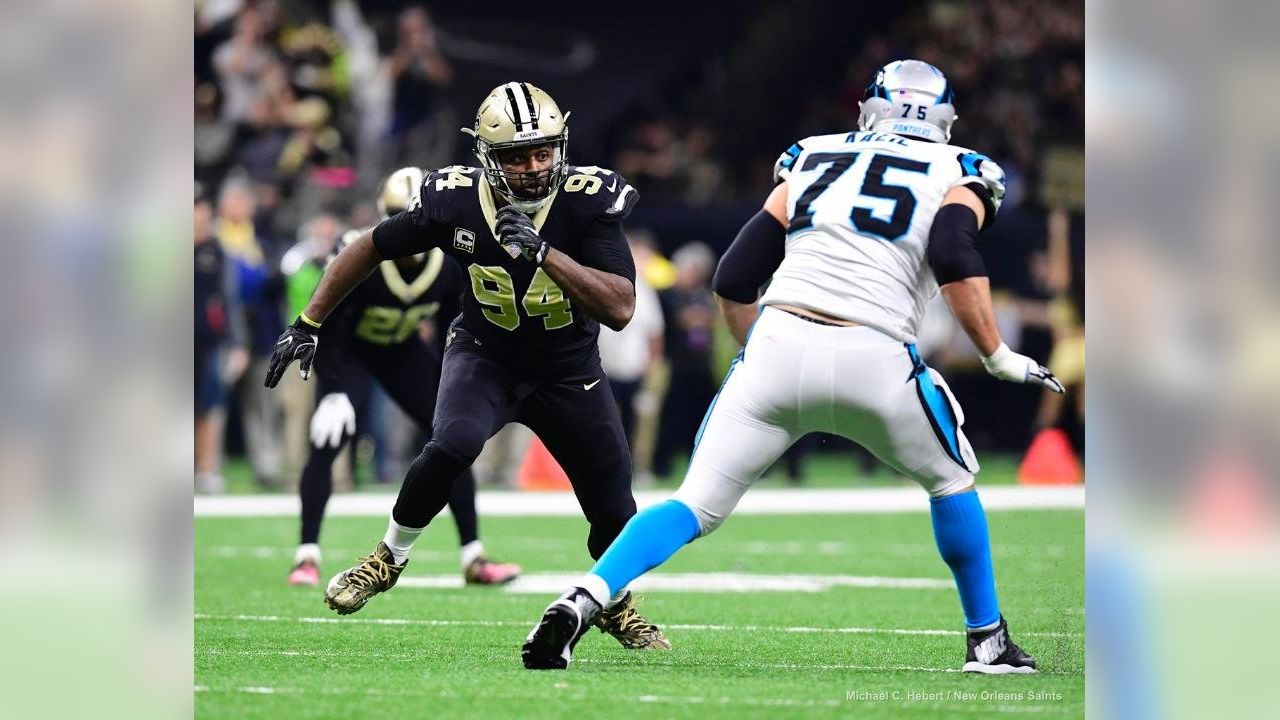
[859, 209]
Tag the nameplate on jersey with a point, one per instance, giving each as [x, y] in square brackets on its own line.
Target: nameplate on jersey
[464, 240]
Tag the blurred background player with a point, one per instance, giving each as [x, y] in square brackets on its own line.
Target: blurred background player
[385, 330]
[548, 261]
[628, 355]
[691, 316]
[859, 233]
[240, 237]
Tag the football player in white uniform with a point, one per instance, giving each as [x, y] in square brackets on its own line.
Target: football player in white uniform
[859, 233]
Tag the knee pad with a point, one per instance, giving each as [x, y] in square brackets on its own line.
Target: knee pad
[427, 486]
[436, 458]
[461, 439]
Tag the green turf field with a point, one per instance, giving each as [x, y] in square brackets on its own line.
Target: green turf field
[265, 650]
[821, 470]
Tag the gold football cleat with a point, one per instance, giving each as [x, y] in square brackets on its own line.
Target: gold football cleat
[377, 572]
[629, 627]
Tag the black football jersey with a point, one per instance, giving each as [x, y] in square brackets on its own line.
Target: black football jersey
[511, 306]
[385, 310]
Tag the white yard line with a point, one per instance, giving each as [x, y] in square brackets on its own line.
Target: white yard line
[792, 666]
[721, 547]
[669, 626]
[759, 502]
[554, 583]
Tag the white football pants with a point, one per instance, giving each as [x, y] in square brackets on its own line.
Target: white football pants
[796, 377]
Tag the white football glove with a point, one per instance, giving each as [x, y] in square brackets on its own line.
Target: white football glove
[333, 419]
[1006, 364]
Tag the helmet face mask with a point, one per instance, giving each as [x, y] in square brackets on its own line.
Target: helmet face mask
[532, 187]
[912, 98]
[515, 121]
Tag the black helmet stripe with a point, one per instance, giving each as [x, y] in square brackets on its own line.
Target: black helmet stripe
[533, 113]
[520, 111]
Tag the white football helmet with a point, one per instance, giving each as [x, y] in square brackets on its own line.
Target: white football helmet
[399, 191]
[909, 97]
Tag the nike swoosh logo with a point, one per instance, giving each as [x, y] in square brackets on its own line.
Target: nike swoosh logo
[590, 385]
[613, 184]
[286, 341]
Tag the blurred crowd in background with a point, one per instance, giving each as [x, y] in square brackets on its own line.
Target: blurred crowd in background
[302, 107]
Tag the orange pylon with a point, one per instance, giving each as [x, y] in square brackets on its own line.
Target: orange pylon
[540, 471]
[1050, 461]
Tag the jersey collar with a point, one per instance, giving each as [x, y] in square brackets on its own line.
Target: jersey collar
[409, 292]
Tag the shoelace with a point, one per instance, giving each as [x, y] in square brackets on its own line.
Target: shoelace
[629, 620]
[370, 570]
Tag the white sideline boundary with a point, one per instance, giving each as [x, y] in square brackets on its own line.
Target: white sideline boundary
[493, 503]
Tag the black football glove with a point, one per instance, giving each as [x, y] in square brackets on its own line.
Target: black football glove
[516, 228]
[297, 342]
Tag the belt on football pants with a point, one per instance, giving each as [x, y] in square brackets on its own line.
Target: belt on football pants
[813, 320]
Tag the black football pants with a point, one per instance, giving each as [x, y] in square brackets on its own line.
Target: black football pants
[575, 416]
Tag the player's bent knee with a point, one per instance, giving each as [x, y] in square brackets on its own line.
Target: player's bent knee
[461, 440]
[436, 460]
[708, 518]
[952, 486]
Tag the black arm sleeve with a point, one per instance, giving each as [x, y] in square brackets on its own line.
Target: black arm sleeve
[400, 236]
[953, 245]
[751, 260]
[605, 248]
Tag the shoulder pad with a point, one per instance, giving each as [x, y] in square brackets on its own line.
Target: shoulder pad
[603, 192]
[440, 190]
[782, 167]
[982, 173]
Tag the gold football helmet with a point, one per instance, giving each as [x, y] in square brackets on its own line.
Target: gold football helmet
[400, 190]
[514, 115]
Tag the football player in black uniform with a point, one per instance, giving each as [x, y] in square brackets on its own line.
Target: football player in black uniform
[546, 259]
[374, 334]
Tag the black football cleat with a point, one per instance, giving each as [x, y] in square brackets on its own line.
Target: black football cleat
[993, 652]
[550, 644]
